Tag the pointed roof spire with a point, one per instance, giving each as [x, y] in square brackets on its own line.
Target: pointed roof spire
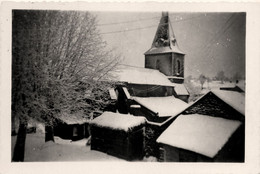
[164, 39]
[165, 13]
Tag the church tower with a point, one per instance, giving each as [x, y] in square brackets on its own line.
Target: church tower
[164, 53]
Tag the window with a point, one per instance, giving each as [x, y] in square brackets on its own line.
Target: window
[178, 67]
[158, 64]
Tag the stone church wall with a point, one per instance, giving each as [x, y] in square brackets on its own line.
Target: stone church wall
[162, 62]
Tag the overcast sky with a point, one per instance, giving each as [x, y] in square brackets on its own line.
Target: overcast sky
[212, 41]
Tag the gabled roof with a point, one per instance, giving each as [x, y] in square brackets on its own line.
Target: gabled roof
[139, 75]
[202, 134]
[235, 99]
[164, 39]
[164, 106]
[118, 121]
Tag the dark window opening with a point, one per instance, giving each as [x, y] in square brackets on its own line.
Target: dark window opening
[158, 64]
[178, 67]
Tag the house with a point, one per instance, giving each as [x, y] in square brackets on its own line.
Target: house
[71, 126]
[75, 126]
[215, 122]
[120, 135]
[201, 138]
[238, 87]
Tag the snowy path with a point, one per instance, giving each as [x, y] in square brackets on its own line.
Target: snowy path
[62, 150]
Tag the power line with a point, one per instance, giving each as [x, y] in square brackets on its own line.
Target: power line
[140, 28]
[217, 37]
[206, 47]
[116, 23]
[120, 31]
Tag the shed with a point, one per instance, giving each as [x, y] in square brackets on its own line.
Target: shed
[71, 126]
[120, 135]
[201, 138]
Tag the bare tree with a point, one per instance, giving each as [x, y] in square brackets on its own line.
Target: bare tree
[56, 57]
[202, 80]
[221, 76]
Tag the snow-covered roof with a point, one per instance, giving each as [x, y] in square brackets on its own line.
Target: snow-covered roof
[164, 106]
[235, 99]
[112, 94]
[167, 49]
[118, 121]
[75, 118]
[180, 89]
[202, 134]
[126, 93]
[242, 85]
[138, 75]
[175, 77]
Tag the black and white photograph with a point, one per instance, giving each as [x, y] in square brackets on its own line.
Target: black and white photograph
[149, 87]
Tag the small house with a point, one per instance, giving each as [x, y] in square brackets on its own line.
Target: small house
[238, 87]
[71, 126]
[201, 138]
[120, 135]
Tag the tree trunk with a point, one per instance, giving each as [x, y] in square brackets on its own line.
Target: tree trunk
[19, 148]
[13, 133]
[49, 133]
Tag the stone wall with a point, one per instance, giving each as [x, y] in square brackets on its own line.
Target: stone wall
[162, 62]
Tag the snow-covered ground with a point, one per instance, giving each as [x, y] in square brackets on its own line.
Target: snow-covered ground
[62, 150]
[213, 84]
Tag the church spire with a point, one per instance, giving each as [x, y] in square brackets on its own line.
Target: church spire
[164, 37]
